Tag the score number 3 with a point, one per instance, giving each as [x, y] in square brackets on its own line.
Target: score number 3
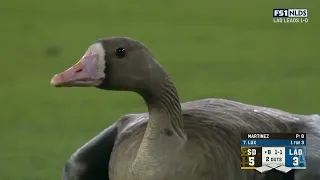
[295, 161]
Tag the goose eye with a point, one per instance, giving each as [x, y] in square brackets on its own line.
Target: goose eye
[120, 52]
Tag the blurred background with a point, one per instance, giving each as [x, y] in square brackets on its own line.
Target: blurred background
[212, 48]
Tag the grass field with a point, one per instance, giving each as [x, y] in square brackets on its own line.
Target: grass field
[228, 49]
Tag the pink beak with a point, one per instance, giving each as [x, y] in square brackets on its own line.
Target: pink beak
[84, 73]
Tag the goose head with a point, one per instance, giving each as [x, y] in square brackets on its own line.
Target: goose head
[116, 63]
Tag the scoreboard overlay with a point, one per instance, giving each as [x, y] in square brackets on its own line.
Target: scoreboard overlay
[266, 151]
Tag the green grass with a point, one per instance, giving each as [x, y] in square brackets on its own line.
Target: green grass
[228, 49]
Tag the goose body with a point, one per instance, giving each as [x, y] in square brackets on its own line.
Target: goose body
[218, 123]
[197, 140]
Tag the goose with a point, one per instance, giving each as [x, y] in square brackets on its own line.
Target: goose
[196, 140]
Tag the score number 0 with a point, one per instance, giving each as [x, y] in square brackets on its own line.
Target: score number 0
[251, 152]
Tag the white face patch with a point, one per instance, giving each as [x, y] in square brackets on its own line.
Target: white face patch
[98, 50]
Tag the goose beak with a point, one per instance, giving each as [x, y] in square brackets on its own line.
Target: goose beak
[83, 74]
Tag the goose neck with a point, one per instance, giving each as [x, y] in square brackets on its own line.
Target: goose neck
[164, 110]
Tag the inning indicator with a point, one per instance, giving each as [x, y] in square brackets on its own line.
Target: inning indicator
[267, 151]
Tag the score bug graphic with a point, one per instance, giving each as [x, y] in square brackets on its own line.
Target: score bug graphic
[290, 15]
[267, 151]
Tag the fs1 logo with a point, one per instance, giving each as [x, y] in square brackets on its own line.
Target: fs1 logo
[294, 13]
